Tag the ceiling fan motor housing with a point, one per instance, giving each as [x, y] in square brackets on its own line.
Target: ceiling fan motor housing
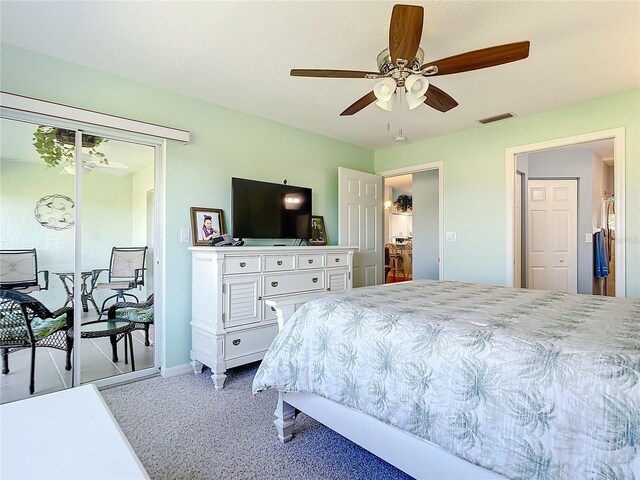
[387, 68]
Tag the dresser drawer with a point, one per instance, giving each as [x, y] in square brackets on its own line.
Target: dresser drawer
[315, 260]
[248, 342]
[241, 264]
[275, 263]
[268, 313]
[337, 260]
[292, 283]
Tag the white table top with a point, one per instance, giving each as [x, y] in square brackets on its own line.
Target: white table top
[68, 435]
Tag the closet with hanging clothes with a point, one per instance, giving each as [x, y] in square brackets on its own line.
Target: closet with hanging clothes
[604, 250]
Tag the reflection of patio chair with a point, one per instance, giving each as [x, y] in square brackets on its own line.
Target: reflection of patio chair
[126, 272]
[141, 314]
[26, 323]
[19, 271]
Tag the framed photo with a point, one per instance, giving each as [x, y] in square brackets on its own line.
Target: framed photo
[318, 231]
[206, 223]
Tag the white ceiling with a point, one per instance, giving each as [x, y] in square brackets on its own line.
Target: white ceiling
[238, 54]
[403, 183]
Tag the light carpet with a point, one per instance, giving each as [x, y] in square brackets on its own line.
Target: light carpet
[182, 428]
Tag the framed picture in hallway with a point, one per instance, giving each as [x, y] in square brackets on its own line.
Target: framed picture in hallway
[318, 231]
[206, 224]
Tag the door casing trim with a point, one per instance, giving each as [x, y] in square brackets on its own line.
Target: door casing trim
[439, 166]
[619, 171]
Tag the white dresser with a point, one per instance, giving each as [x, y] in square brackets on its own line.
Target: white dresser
[231, 324]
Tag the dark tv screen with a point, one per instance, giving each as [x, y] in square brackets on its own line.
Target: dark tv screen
[270, 210]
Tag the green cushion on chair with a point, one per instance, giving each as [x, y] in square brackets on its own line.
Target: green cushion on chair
[14, 329]
[138, 315]
[41, 328]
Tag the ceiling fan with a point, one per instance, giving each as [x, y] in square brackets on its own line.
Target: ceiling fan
[402, 67]
[90, 164]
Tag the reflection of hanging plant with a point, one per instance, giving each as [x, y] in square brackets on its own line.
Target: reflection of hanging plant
[56, 146]
[404, 203]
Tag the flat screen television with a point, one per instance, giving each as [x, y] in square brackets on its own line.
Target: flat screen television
[270, 210]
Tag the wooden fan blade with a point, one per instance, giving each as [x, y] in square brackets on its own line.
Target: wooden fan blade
[483, 58]
[302, 72]
[439, 100]
[405, 32]
[359, 104]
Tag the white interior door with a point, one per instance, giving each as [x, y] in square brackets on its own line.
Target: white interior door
[360, 198]
[552, 235]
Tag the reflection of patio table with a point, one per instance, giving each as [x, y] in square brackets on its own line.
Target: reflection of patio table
[86, 294]
[115, 331]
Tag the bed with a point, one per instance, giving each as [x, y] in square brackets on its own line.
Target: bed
[452, 379]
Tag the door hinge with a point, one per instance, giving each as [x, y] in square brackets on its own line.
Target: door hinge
[223, 316]
[224, 288]
[349, 275]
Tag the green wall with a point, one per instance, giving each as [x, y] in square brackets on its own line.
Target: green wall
[224, 143]
[475, 180]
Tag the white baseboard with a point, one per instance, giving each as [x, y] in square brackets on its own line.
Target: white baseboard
[175, 371]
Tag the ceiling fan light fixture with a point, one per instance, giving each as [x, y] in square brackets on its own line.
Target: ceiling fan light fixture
[416, 86]
[415, 102]
[384, 105]
[384, 89]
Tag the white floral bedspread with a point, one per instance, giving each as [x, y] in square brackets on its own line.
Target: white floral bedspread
[531, 384]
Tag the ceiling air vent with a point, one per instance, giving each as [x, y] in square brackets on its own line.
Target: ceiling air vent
[502, 116]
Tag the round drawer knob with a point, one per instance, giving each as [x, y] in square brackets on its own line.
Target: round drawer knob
[279, 262]
[274, 284]
[310, 260]
[273, 309]
[243, 264]
[314, 279]
[337, 260]
[236, 342]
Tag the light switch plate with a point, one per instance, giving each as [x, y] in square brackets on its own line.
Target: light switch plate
[451, 237]
[588, 238]
[185, 235]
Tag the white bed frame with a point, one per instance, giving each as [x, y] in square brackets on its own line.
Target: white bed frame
[412, 455]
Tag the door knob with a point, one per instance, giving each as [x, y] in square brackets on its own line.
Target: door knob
[562, 260]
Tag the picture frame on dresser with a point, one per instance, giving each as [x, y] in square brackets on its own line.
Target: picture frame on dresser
[206, 224]
[318, 231]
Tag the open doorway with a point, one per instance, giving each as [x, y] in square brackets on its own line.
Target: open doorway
[398, 228]
[413, 237]
[565, 225]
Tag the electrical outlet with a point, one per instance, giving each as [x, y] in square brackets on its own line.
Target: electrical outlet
[185, 235]
[588, 238]
[451, 237]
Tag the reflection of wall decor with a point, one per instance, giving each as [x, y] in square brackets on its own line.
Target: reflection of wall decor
[54, 212]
